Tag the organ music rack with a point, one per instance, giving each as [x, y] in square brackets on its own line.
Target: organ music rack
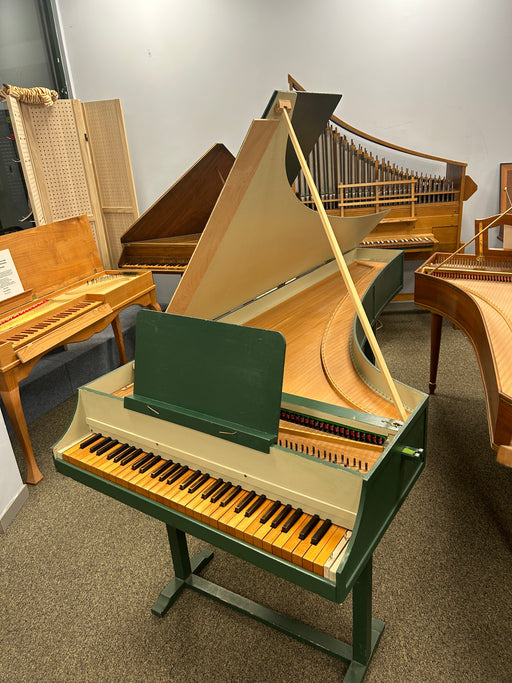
[303, 420]
[425, 211]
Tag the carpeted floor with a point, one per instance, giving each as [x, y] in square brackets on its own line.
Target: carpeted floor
[79, 572]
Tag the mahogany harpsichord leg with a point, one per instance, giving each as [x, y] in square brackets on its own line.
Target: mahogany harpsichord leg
[435, 345]
[12, 402]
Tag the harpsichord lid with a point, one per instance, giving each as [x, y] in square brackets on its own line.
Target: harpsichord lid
[259, 234]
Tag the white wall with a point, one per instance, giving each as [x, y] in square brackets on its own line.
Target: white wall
[13, 492]
[430, 75]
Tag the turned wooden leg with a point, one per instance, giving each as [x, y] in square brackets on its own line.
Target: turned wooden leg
[118, 334]
[435, 345]
[154, 305]
[12, 403]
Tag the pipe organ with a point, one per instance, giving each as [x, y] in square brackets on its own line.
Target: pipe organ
[355, 178]
[364, 179]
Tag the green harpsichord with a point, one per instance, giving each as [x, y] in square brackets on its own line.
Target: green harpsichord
[255, 416]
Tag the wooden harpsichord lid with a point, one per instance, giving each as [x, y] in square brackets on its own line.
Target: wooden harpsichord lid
[185, 207]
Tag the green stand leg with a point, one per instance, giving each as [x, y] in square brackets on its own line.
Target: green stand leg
[366, 631]
[184, 567]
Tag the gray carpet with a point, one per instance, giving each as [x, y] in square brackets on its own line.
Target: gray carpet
[79, 571]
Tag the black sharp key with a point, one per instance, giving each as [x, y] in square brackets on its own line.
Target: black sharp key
[164, 466]
[101, 443]
[151, 463]
[293, 520]
[230, 496]
[183, 469]
[212, 488]
[318, 535]
[174, 468]
[90, 440]
[309, 527]
[190, 480]
[280, 517]
[124, 454]
[270, 512]
[221, 492]
[257, 503]
[127, 458]
[117, 451]
[107, 447]
[202, 479]
[141, 460]
[245, 501]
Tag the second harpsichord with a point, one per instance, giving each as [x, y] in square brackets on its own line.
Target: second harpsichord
[473, 291]
[164, 238]
[67, 297]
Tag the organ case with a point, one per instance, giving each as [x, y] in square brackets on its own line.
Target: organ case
[425, 210]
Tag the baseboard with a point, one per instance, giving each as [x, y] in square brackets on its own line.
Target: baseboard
[13, 508]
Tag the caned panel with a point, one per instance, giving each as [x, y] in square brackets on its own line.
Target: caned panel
[94, 229]
[108, 146]
[26, 161]
[116, 224]
[112, 167]
[56, 155]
